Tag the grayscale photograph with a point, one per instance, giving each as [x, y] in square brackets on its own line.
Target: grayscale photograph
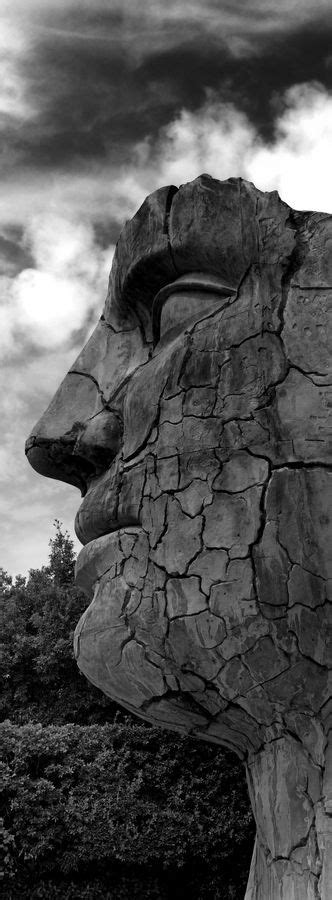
[165, 335]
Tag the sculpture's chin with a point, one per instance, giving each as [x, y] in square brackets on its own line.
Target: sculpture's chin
[111, 569]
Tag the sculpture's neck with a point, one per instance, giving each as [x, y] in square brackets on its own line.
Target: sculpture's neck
[292, 857]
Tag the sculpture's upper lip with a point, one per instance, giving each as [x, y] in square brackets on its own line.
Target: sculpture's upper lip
[100, 512]
[91, 526]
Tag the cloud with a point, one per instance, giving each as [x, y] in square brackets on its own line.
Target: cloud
[83, 19]
[14, 103]
[85, 81]
[220, 140]
[45, 304]
[85, 191]
[65, 284]
[216, 138]
[29, 508]
[298, 164]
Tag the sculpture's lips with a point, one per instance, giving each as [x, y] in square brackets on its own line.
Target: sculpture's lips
[112, 501]
[99, 512]
[99, 523]
[100, 556]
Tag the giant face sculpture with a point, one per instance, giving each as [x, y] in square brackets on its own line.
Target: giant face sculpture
[195, 423]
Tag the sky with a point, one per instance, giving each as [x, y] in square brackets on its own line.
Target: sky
[101, 102]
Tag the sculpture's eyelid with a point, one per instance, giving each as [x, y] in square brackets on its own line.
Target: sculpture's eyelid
[156, 315]
[144, 320]
[197, 282]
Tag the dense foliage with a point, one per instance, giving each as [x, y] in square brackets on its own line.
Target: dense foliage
[39, 676]
[117, 810]
[78, 799]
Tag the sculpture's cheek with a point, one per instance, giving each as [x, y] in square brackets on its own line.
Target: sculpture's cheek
[144, 395]
[184, 399]
[164, 389]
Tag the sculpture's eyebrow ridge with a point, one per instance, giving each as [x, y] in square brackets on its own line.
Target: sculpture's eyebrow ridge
[168, 238]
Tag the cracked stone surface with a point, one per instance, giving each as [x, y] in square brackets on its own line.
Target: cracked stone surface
[195, 423]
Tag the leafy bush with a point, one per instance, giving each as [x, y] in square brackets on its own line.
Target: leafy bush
[83, 802]
[39, 677]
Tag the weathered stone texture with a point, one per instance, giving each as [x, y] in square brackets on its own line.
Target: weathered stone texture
[203, 461]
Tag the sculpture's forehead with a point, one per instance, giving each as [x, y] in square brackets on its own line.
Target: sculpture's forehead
[217, 227]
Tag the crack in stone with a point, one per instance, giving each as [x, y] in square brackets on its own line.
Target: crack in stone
[294, 262]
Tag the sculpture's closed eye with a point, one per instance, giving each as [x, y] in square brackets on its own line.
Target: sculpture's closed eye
[191, 296]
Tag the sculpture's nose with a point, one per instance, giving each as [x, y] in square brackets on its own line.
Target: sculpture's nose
[81, 431]
[78, 435]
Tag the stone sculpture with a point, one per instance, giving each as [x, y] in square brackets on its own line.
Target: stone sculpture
[195, 423]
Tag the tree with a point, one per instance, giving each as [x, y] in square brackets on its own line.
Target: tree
[40, 678]
[61, 558]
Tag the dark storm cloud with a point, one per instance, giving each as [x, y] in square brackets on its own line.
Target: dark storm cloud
[102, 79]
[253, 84]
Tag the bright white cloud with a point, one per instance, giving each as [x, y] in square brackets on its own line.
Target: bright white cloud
[298, 164]
[216, 139]
[62, 245]
[48, 307]
[45, 304]
[219, 140]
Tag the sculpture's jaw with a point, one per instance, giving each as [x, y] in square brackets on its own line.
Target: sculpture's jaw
[195, 630]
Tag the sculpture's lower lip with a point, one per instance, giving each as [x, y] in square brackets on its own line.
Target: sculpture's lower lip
[99, 556]
[97, 514]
